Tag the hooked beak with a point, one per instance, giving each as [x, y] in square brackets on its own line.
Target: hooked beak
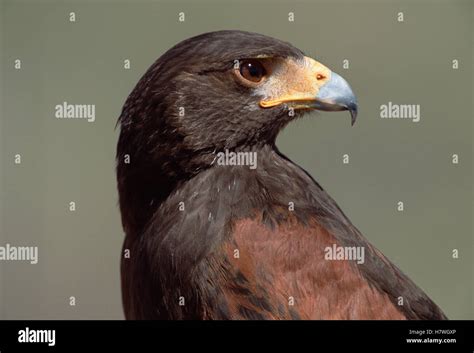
[311, 85]
[336, 95]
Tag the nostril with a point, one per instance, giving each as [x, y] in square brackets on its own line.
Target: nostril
[320, 77]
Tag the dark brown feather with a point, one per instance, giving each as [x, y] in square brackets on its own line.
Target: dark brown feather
[187, 255]
[286, 267]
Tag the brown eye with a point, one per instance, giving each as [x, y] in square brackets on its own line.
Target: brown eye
[252, 70]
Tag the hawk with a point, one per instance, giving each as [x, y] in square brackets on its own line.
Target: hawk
[213, 241]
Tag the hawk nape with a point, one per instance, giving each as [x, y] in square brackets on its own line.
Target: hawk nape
[212, 241]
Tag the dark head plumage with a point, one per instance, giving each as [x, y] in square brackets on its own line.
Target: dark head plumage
[191, 104]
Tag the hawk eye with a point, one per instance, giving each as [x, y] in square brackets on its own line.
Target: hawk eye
[252, 70]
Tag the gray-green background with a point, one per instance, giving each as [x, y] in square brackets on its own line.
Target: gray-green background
[390, 160]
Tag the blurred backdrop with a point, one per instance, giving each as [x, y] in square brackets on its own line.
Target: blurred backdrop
[390, 160]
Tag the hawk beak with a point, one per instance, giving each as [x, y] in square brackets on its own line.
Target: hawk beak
[336, 95]
[308, 84]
